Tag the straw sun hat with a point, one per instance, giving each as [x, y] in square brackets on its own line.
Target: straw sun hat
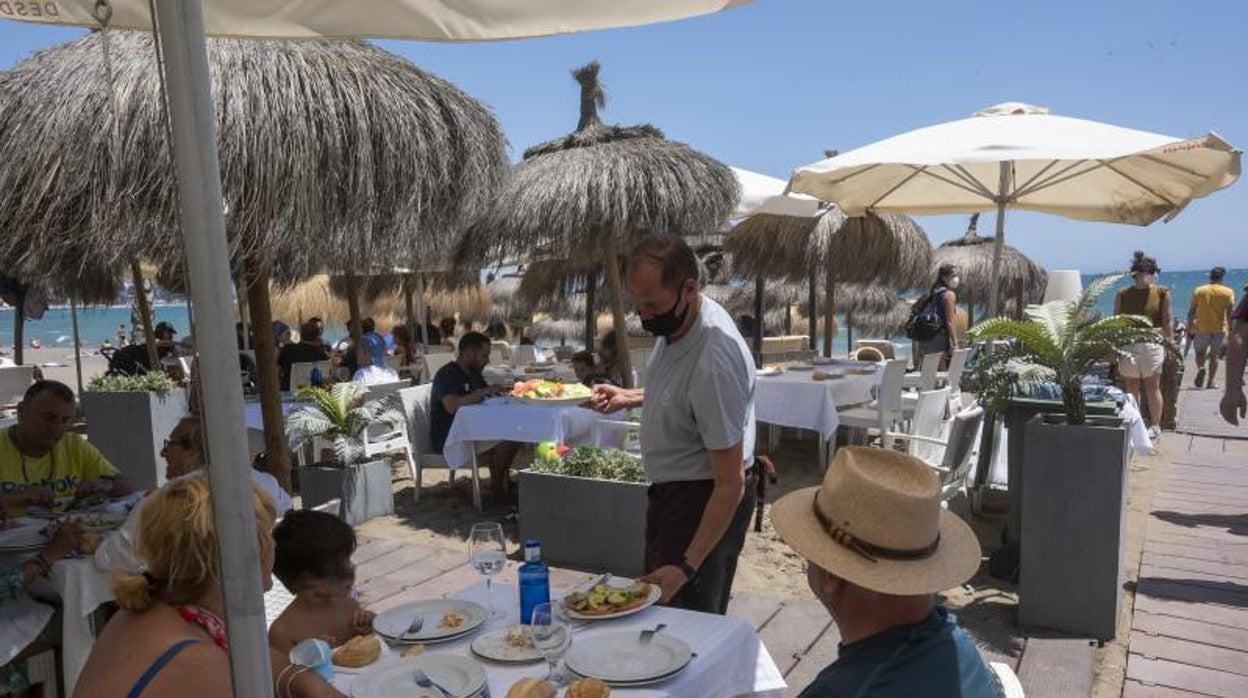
[876, 522]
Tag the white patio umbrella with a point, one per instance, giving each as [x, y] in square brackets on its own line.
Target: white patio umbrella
[1019, 156]
[181, 29]
[762, 193]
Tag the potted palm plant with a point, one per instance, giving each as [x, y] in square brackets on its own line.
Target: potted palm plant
[1074, 476]
[343, 416]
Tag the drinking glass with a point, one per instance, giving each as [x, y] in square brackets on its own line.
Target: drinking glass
[551, 636]
[488, 555]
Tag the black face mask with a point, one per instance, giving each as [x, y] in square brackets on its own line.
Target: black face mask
[668, 323]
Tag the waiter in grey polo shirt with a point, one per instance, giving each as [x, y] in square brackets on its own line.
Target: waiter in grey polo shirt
[697, 434]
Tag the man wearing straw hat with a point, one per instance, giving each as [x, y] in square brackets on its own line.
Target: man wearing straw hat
[697, 438]
[878, 546]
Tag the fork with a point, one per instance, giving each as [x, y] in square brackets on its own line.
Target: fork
[648, 635]
[417, 623]
[422, 679]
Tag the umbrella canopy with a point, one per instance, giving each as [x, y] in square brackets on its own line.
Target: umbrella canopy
[765, 195]
[307, 134]
[1021, 157]
[393, 19]
[597, 190]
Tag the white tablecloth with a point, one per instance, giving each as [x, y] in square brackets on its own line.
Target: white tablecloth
[730, 661]
[83, 588]
[794, 399]
[504, 419]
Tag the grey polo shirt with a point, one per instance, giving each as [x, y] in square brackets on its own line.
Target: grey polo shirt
[699, 397]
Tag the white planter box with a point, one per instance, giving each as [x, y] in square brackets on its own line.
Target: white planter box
[130, 429]
[595, 525]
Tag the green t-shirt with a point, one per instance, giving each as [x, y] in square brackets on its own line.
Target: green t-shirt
[70, 462]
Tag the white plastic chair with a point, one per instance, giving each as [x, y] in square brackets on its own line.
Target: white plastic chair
[524, 355]
[926, 378]
[301, 372]
[416, 406]
[956, 451]
[380, 441]
[1007, 682]
[953, 377]
[883, 414]
[929, 422]
[640, 359]
[14, 380]
[434, 363]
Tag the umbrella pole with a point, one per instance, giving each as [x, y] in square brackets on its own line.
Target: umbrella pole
[240, 294]
[812, 319]
[617, 312]
[192, 121]
[73, 317]
[758, 321]
[270, 385]
[591, 314]
[849, 332]
[145, 315]
[19, 328]
[788, 319]
[829, 311]
[998, 243]
[409, 310]
[423, 315]
[353, 309]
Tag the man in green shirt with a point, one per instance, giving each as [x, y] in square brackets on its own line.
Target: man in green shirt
[878, 546]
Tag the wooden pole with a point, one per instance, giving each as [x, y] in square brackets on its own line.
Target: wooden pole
[591, 311]
[268, 381]
[19, 327]
[617, 311]
[849, 331]
[240, 293]
[413, 331]
[145, 315]
[812, 312]
[758, 321]
[1018, 299]
[73, 316]
[788, 319]
[353, 308]
[829, 310]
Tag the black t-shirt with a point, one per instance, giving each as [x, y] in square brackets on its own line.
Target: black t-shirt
[298, 353]
[449, 380]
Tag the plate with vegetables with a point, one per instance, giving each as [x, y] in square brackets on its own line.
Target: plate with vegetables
[612, 598]
[547, 392]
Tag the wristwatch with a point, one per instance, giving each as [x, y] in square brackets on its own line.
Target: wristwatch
[689, 570]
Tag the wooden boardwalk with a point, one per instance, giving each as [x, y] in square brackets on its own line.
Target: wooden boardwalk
[1189, 634]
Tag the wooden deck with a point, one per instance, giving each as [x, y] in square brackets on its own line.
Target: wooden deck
[1189, 633]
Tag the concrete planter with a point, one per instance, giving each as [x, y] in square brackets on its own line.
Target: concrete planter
[1074, 515]
[596, 525]
[130, 429]
[364, 489]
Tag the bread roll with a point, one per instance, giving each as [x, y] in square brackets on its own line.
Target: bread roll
[588, 688]
[531, 688]
[357, 652]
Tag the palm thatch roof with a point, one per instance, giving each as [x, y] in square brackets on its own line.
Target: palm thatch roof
[549, 329]
[600, 183]
[334, 154]
[317, 297]
[376, 286]
[972, 255]
[888, 248]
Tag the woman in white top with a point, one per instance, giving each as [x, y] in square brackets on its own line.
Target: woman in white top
[183, 454]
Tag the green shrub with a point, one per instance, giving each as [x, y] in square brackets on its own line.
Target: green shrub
[154, 382]
[595, 463]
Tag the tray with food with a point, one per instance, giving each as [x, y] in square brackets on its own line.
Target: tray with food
[548, 392]
[613, 598]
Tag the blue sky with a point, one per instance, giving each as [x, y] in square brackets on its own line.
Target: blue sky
[770, 85]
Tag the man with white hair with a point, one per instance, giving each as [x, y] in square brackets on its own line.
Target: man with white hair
[878, 546]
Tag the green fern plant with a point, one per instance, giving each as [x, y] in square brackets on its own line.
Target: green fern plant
[341, 415]
[1065, 338]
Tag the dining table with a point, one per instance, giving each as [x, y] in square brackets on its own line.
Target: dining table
[794, 398]
[505, 418]
[729, 659]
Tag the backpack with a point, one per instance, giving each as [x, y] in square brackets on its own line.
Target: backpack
[925, 322]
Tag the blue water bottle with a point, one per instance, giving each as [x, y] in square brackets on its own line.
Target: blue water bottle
[534, 580]
[315, 377]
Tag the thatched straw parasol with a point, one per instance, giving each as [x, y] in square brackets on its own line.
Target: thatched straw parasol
[333, 155]
[884, 248]
[549, 329]
[972, 255]
[597, 190]
[322, 296]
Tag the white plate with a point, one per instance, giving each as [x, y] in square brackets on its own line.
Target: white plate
[655, 594]
[460, 677]
[771, 371]
[493, 645]
[22, 538]
[552, 401]
[392, 623]
[620, 657]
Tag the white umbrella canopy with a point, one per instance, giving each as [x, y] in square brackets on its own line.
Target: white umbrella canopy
[762, 193]
[431, 20]
[1022, 157]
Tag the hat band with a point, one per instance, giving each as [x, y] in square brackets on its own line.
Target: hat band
[867, 550]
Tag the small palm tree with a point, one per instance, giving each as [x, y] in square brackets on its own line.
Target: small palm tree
[1063, 339]
[341, 415]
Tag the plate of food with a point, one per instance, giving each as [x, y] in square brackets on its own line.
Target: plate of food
[548, 392]
[770, 371]
[458, 676]
[442, 620]
[612, 598]
[100, 522]
[511, 645]
[20, 538]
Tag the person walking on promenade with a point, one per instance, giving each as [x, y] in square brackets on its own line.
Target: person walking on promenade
[1208, 319]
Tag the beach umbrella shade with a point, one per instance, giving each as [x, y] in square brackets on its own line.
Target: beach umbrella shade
[186, 72]
[769, 196]
[597, 190]
[973, 256]
[1019, 156]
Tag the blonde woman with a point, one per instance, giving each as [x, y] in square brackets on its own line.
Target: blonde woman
[169, 638]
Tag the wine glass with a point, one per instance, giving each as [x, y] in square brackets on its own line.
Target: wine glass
[551, 637]
[488, 555]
